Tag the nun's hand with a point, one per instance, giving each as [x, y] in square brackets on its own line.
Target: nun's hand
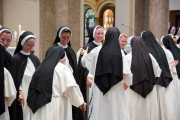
[174, 63]
[125, 86]
[84, 51]
[21, 98]
[89, 82]
[83, 107]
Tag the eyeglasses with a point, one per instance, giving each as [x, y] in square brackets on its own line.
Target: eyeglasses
[29, 46]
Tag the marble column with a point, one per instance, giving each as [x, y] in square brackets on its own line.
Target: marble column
[158, 17]
[67, 12]
[1, 12]
[54, 14]
[61, 13]
[74, 19]
[47, 26]
[141, 16]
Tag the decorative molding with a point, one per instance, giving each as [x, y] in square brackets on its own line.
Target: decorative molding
[97, 3]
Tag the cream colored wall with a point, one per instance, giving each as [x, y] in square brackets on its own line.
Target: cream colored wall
[124, 14]
[25, 13]
[174, 4]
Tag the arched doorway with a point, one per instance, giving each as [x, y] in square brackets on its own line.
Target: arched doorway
[108, 19]
[107, 16]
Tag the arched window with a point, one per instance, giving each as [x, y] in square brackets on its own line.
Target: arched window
[108, 19]
[88, 22]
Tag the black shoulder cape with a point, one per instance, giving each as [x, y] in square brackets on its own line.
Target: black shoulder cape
[2, 102]
[20, 66]
[158, 53]
[141, 68]
[109, 67]
[40, 89]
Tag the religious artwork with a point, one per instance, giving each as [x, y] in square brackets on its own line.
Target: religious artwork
[108, 19]
[88, 22]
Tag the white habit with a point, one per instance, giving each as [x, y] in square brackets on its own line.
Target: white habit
[173, 96]
[140, 108]
[65, 91]
[28, 73]
[112, 105]
[9, 94]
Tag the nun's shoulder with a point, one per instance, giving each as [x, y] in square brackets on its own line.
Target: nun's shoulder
[17, 56]
[8, 54]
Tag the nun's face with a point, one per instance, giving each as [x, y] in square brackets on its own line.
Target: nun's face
[99, 35]
[122, 42]
[65, 37]
[173, 31]
[5, 39]
[29, 45]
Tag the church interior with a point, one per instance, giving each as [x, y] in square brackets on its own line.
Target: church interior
[44, 17]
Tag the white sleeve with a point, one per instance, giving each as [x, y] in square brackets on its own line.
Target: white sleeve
[156, 68]
[64, 80]
[83, 59]
[90, 76]
[75, 95]
[127, 75]
[20, 87]
[9, 88]
[170, 59]
[87, 60]
[78, 54]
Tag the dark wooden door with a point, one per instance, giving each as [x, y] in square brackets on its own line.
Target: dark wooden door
[174, 18]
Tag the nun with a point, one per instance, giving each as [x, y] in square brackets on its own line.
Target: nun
[178, 37]
[95, 39]
[165, 79]
[123, 41]
[63, 39]
[52, 88]
[25, 65]
[105, 66]
[173, 54]
[6, 36]
[142, 95]
[172, 31]
[7, 88]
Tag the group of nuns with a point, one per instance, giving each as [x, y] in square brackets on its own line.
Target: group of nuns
[31, 90]
[142, 85]
[175, 34]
